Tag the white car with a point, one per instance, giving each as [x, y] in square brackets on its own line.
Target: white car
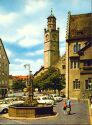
[45, 100]
[4, 107]
[17, 102]
[56, 97]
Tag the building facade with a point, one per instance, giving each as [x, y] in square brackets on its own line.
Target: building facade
[79, 56]
[14, 79]
[4, 70]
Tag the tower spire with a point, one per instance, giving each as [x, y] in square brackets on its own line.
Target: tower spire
[51, 12]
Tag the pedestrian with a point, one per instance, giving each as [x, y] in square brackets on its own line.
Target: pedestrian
[64, 107]
[69, 103]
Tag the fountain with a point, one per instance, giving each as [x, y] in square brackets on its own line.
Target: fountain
[30, 108]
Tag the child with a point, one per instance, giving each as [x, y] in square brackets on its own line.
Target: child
[65, 106]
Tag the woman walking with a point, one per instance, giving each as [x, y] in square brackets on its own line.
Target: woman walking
[64, 107]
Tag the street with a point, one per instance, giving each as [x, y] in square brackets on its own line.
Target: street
[79, 115]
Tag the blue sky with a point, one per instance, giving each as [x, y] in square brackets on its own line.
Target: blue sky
[22, 24]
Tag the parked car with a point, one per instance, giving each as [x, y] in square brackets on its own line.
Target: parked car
[18, 102]
[45, 100]
[4, 106]
[56, 97]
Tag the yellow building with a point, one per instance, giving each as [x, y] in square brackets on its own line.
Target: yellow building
[4, 70]
[79, 56]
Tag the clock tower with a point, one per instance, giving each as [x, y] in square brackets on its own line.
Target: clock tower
[51, 42]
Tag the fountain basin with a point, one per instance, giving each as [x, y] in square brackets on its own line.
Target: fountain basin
[30, 111]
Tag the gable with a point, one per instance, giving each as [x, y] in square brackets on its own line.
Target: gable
[87, 53]
[80, 26]
[3, 50]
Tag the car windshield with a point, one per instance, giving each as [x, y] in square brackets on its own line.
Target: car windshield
[56, 96]
[44, 98]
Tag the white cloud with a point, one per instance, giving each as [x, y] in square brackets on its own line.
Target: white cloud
[75, 2]
[28, 41]
[62, 34]
[62, 50]
[11, 38]
[35, 6]
[7, 19]
[62, 25]
[29, 29]
[30, 34]
[38, 52]
[18, 69]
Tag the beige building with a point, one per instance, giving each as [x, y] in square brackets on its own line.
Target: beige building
[79, 56]
[51, 42]
[51, 48]
[4, 70]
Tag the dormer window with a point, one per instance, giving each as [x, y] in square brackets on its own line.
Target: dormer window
[77, 47]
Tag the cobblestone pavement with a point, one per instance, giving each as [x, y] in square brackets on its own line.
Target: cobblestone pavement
[79, 115]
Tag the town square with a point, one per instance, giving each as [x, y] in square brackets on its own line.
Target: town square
[46, 62]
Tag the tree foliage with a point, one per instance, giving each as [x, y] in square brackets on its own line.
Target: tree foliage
[50, 79]
[18, 85]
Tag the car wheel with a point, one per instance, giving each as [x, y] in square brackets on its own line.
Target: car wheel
[5, 110]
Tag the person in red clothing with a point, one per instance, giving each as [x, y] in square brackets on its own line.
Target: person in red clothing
[64, 107]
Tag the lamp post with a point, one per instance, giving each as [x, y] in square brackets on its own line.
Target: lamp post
[30, 83]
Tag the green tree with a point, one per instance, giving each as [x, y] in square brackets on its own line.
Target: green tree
[50, 79]
[18, 85]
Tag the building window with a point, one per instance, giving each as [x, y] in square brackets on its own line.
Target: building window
[75, 64]
[78, 64]
[88, 84]
[63, 66]
[88, 63]
[79, 32]
[77, 47]
[74, 47]
[71, 65]
[76, 84]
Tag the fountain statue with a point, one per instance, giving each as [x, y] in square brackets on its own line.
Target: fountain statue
[30, 108]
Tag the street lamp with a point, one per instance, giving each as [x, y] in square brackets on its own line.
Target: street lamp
[30, 82]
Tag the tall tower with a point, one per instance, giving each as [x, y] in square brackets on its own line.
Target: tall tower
[51, 42]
